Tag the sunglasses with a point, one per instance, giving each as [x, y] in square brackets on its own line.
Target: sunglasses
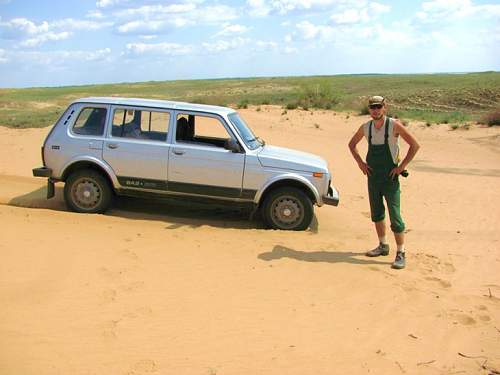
[375, 106]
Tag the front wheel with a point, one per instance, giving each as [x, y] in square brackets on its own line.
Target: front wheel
[287, 208]
[87, 191]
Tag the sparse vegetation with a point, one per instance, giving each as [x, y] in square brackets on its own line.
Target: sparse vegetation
[433, 98]
[492, 118]
[243, 104]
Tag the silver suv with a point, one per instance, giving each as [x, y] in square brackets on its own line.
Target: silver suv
[106, 146]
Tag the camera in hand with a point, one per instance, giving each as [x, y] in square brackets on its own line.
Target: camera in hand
[404, 173]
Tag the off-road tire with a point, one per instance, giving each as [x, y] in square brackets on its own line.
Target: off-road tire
[287, 208]
[87, 191]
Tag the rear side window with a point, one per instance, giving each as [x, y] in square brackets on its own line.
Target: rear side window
[140, 124]
[90, 121]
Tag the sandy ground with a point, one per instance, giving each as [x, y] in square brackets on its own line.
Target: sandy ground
[166, 289]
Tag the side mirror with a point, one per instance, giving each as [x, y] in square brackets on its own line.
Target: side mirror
[232, 145]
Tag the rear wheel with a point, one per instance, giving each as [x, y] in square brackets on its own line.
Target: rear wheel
[287, 208]
[87, 191]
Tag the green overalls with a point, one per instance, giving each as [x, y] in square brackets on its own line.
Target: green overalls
[380, 184]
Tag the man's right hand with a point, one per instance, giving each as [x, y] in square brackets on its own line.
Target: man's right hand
[365, 168]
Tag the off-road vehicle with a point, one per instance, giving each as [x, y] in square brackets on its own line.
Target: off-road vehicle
[102, 147]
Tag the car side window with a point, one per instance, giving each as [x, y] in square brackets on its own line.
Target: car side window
[199, 129]
[90, 121]
[140, 124]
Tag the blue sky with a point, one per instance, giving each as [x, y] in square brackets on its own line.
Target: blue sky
[54, 43]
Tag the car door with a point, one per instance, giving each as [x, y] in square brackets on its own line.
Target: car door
[137, 148]
[198, 162]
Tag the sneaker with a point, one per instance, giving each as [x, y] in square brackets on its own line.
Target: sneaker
[399, 262]
[381, 249]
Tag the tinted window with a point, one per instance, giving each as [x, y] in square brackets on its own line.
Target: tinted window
[140, 124]
[90, 121]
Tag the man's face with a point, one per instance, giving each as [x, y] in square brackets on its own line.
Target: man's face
[377, 111]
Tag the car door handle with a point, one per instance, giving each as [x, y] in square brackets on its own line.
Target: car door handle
[179, 152]
[112, 145]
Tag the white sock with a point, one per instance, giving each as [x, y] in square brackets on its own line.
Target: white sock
[401, 248]
[382, 240]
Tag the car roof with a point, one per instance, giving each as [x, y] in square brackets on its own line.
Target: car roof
[156, 103]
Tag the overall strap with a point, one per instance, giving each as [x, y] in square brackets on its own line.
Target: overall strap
[386, 136]
[370, 133]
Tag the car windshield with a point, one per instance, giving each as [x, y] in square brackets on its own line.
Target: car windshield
[245, 132]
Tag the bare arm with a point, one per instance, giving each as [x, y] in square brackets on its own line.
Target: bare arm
[399, 129]
[356, 138]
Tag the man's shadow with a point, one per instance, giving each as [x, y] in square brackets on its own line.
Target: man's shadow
[279, 252]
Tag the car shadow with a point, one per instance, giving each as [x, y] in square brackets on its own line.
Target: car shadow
[279, 252]
[178, 212]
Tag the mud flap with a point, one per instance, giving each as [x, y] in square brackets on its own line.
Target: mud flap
[51, 190]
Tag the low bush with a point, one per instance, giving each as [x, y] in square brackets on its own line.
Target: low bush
[242, 104]
[492, 118]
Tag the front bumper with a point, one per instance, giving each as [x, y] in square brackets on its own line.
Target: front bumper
[332, 198]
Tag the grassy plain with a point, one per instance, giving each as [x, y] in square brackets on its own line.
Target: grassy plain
[434, 98]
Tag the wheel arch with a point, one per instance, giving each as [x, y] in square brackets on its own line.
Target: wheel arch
[94, 164]
[288, 181]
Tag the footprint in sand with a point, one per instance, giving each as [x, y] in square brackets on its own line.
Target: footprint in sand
[129, 254]
[131, 287]
[484, 318]
[109, 329]
[465, 320]
[442, 283]
[145, 366]
[110, 274]
[430, 263]
[107, 296]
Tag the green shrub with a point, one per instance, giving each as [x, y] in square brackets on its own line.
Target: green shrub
[291, 105]
[242, 104]
[492, 118]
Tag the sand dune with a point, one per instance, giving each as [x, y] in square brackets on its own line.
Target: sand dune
[174, 289]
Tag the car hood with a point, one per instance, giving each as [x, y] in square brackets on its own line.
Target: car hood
[285, 158]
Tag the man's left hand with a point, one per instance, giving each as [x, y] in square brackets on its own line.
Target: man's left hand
[396, 171]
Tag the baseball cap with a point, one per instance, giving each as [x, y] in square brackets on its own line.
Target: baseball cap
[377, 99]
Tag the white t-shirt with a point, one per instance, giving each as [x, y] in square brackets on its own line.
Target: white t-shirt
[378, 137]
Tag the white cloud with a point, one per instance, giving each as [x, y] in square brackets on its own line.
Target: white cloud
[351, 16]
[168, 49]
[31, 34]
[265, 46]
[309, 31]
[225, 45]
[262, 8]
[42, 38]
[439, 10]
[22, 27]
[3, 56]
[290, 50]
[52, 59]
[229, 29]
[95, 14]
[363, 14]
[163, 18]
[108, 3]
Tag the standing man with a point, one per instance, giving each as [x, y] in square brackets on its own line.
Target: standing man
[383, 169]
